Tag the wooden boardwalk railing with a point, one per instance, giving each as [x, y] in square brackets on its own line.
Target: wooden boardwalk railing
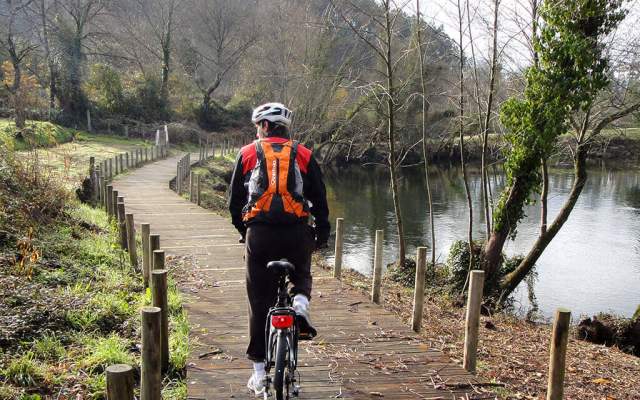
[362, 350]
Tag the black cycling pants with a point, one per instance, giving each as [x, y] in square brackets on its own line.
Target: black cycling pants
[266, 243]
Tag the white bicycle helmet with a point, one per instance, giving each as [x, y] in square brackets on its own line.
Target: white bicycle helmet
[273, 112]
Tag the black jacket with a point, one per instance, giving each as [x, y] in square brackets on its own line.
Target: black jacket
[314, 191]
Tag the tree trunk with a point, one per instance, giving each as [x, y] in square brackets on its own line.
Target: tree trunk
[166, 60]
[18, 104]
[485, 133]
[544, 197]
[391, 139]
[425, 152]
[461, 133]
[511, 281]
[501, 228]
[206, 97]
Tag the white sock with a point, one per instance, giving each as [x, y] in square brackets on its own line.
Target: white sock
[258, 368]
[301, 301]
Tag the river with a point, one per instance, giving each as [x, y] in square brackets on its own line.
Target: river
[592, 265]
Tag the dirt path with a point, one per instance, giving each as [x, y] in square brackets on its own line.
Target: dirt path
[362, 351]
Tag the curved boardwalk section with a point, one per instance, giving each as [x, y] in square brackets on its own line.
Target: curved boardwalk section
[362, 350]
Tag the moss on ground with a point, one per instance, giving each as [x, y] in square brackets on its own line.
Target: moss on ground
[69, 300]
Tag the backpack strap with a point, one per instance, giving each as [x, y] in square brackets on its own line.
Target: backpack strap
[262, 162]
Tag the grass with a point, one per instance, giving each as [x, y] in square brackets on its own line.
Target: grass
[79, 310]
[35, 134]
[24, 371]
[64, 152]
[105, 351]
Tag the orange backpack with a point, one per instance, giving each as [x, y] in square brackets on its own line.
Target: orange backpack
[275, 187]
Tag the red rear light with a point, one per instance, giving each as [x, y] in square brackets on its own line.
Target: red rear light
[282, 321]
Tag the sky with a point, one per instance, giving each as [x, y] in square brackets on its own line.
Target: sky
[514, 17]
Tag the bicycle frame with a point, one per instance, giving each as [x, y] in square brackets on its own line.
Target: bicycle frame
[283, 307]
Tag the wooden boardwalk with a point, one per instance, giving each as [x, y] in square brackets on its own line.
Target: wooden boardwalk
[362, 351]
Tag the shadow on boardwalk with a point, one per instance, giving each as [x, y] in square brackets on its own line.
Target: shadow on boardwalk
[362, 350]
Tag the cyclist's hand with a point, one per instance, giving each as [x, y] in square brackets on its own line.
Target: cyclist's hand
[241, 240]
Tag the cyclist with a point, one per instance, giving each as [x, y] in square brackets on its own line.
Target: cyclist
[276, 185]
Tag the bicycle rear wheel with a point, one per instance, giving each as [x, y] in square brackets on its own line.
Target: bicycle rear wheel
[280, 382]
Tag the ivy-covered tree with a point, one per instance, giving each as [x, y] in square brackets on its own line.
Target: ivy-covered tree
[571, 70]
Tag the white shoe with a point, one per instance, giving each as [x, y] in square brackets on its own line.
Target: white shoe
[257, 384]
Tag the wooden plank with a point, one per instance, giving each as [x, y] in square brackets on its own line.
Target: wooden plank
[361, 349]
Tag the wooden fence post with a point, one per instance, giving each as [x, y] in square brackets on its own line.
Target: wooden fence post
[131, 240]
[377, 268]
[146, 232]
[122, 223]
[558, 354]
[146, 154]
[119, 382]
[108, 200]
[150, 382]
[159, 299]
[418, 293]
[89, 127]
[192, 196]
[158, 261]
[100, 189]
[474, 302]
[111, 168]
[114, 206]
[199, 191]
[126, 157]
[154, 244]
[179, 177]
[337, 265]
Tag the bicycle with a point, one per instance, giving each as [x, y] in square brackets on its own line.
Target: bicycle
[282, 336]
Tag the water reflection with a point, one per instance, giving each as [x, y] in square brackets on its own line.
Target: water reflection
[592, 265]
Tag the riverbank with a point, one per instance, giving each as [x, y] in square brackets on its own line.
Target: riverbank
[619, 147]
[69, 301]
[513, 352]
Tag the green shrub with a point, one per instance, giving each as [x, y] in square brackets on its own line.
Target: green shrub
[104, 88]
[458, 268]
[457, 263]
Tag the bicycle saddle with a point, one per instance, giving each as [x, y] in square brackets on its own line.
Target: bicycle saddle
[281, 267]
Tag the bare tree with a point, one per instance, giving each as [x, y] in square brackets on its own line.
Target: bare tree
[379, 33]
[221, 37]
[75, 29]
[425, 151]
[461, 125]
[149, 26]
[15, 41]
